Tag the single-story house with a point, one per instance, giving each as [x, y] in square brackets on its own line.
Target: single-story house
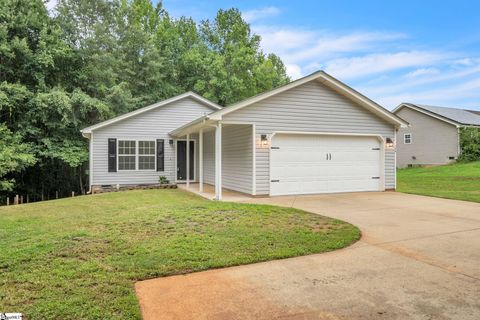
[433, 135]
[313, 135]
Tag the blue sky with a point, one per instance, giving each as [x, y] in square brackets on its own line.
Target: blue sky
[392, 51]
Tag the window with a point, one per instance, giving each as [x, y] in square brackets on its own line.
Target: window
[126, 154]
[407, 138]
[146, 155]
[130, 152]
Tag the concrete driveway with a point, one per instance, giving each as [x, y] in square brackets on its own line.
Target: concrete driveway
[419, 258]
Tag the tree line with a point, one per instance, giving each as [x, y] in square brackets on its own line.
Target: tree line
[87, 61]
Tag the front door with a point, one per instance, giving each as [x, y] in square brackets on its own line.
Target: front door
[182, 160]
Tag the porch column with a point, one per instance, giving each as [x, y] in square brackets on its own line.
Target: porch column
[218, 161]
[188, 160]
[200, 160]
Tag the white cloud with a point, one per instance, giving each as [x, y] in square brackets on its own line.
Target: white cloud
[422, 72]
[387, 86]
[356, 67]
[258, 14]
[326, 45]
[464, 95]
[294, 71]
[312, 49]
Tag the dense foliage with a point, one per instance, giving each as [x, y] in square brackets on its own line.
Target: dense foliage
[469, 144]
[90, 60]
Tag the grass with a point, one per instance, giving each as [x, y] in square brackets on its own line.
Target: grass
[459, 181]
[78, 258]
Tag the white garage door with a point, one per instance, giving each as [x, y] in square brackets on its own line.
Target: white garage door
[303, 164]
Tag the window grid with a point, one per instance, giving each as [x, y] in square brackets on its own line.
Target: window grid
[407, 138]
[131, 152]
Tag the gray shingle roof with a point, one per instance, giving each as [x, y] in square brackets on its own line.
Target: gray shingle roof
[462, 116]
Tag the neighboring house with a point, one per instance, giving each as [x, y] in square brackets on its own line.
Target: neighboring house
[433, 135]
[313, 135]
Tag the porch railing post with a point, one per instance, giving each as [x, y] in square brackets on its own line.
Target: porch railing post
[188, 160]
[200, 160]
[218, 161]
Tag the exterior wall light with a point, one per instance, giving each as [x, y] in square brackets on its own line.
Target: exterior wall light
[170, 142]
[263, 140]
[389, 143]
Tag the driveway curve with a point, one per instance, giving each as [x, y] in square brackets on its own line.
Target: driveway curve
[418, 258]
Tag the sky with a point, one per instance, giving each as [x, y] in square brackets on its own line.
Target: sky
[422, 51]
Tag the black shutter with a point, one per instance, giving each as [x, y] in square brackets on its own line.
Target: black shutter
[112, 155]
[160, 154]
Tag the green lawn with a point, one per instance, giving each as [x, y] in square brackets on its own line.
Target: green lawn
[79, 258]
[456, 181]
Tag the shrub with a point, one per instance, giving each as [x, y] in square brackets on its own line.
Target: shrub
[469, 144]
[163, 180]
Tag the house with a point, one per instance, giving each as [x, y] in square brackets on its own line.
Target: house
[433, 135]
[313, 135]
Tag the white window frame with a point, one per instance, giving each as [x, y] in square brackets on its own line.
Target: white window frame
[148, 155]
[405, 138]
[136, 154]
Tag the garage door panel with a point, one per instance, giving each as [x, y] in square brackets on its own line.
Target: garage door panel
[302, 164]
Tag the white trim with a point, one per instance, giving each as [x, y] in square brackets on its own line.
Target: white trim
[428, 113]
[382, 163]
[381, 183]
[194, 160]
[395, 167]
[90, 165]
[328, 133]
[189, 94]
[187, 157]
[405, 137]
[254, 160]
[326, 79]
[136, 154]
[200, 158]
[218, 162]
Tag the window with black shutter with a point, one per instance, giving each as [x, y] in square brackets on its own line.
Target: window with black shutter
[112, 155]
[160, 155]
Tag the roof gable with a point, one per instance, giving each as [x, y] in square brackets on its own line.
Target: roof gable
[453, 116]
[186, 95]
[328, 81]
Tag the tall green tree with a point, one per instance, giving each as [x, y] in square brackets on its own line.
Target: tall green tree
[14, 157]
[93, 60]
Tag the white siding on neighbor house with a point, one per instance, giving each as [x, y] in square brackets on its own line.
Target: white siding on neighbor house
[150, 125]
[311, 107]
[237, 157]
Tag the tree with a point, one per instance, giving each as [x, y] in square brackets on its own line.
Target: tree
[14, 157]
[237, 68]
[94, 60]
[469, 144]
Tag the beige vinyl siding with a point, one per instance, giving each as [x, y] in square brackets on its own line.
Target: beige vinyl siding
[433, 140]
[151, 125]
[237, 158]
[209, 157]
[390, 169]
[311, 107]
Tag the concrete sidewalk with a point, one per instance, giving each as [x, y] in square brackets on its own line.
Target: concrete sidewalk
[419, 258]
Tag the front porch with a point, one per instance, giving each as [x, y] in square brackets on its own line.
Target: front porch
[209, 192]
[226, 159]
